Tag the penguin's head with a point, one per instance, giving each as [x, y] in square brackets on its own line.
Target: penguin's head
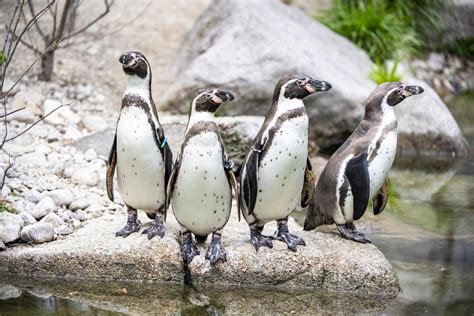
[387, 95]
[402, 92]
[298, 86]
[135, 64]
[210, 99]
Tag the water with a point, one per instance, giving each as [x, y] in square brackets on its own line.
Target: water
[426, 232]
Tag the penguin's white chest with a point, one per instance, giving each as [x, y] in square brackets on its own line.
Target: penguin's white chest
[202, 197]
[281, 171]
[381, 155]
[140, 168]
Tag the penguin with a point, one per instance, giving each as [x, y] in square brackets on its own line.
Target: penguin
[140, 151]
[202, 181]
[356, 173]
[277, 174]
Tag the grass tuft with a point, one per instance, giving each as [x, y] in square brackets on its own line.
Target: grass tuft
[381, 73]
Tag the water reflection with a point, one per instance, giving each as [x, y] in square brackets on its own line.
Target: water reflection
[143, 298]
[34, 301]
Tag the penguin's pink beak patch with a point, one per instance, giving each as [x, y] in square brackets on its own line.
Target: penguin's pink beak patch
[216, 99]
[309, 88]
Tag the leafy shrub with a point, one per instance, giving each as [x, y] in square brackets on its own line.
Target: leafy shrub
[374, 27]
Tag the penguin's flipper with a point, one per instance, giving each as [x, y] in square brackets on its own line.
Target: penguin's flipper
[166, 153]
[235, 187]
[309, 184]
[357, 172]
[249, 176]
[167, 159]
[111, 163]
[171, 183]
[381, 198]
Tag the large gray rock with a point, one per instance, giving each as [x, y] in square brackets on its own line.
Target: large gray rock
[38, 233]
[10, 226]
[236, 47]
[92, 252]
[427, 127]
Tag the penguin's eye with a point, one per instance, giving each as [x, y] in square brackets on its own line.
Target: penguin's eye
[299, 82]
[208, 95]
[399, 91]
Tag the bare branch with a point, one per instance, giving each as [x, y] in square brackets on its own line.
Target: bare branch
[28, 69]
[17, 110]
[7, 39]
[27, 45]
[26, 28]
[55, 15]
[132, 20]
[32, 11]
[5, 123]
[108, 4]
[62, 22]
[8, 52]
[10, 164]
[38, 121]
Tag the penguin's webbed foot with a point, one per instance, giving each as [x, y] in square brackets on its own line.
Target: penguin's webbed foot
[292, 241]
[156, 228]
[216, 251]
[188, 249]
[349, 231]
[132, 226]
[259, 240]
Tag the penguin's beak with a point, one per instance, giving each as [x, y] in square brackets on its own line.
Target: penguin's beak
[317, 85]
[408, 91]
[224, 96]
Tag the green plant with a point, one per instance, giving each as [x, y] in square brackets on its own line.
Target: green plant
[3, 58]
[381, 73]
[374, 27]
[423, 16]
[4, 207]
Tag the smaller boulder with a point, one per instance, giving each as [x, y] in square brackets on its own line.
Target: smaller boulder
[10, 226]
[37, 159]
[94, 123]
[80, 204]
[27, 218]
[45, 206]
[38, 233]
[85, 176]
[61, 196]
[53, 219]
[9, 291]
[90, 154]
[33, 196]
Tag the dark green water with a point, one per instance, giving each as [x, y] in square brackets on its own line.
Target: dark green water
[427, 233]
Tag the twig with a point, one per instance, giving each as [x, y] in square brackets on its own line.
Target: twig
[10, 113]
[9, 27]
[108, 4]
[10, 164]
[32, 10]
[38, 121]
